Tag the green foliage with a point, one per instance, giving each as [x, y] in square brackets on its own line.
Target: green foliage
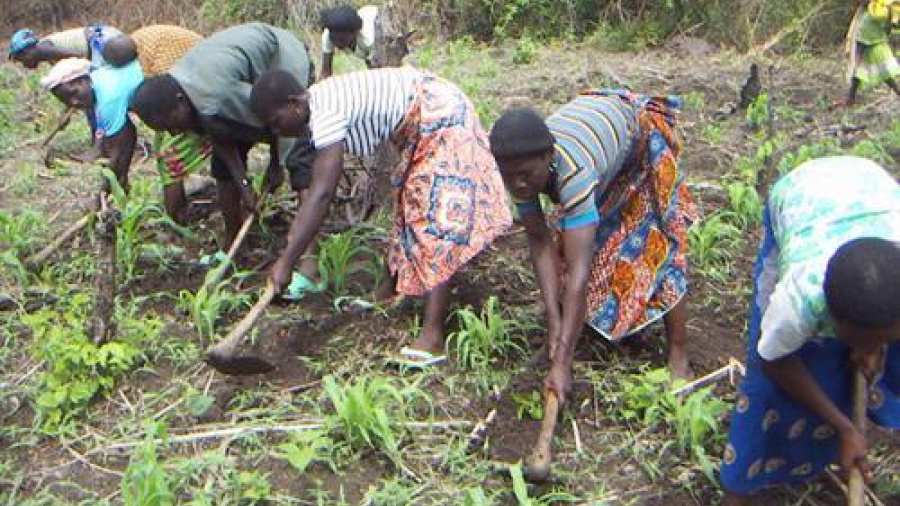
[207, 305]
[695, 419]
[77, 371]
[368, 412]
[530, 405]
[139, 217]
[758, 111]
[337, 252]
[745, 204]
[793, 159]
[628, 25]
[711, 244]
[526, 51]
[252, 487]
[520, 490]
[712, 133]
[486, 337]
[477, 497]
[19, 234]
[392, 492]
[146, 482]
[308, 447]
[222, 13]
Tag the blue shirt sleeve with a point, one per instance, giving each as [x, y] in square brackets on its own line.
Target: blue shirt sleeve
[113, 89]
[589, 217]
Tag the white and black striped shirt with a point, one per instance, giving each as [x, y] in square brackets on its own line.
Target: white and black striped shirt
[361, 109]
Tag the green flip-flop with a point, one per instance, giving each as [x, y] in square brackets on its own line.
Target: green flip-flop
[301, 285]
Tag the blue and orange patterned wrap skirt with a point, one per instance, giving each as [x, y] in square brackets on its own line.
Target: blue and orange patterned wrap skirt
[639, 271]
[450, 198]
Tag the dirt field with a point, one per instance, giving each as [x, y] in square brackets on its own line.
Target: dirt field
[602, 457]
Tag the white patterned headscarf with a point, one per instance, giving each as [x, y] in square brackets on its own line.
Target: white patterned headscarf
[65, 70]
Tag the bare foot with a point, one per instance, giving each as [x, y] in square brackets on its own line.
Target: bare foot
[679, 366]
[385, 292]
[430, 340]
[309, 267]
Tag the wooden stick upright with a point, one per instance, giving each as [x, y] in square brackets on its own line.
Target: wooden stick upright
[856, 486]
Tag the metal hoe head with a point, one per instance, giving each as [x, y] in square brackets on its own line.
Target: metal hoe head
[237, 366]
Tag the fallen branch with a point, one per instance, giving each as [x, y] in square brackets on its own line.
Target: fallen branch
[477, 436]
[231, 432]
[727, 370]
[787, 30]
[40, 257]
[579, 448]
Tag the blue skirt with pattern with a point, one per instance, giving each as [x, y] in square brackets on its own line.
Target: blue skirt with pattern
[773, 440]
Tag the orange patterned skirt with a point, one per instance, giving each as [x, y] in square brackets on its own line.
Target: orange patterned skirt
[450, 198]
[639, 271]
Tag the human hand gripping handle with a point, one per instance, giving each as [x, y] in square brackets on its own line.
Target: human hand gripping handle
[248, 198]
[280, 275]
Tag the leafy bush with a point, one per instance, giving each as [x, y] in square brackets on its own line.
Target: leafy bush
[76, 371]
[146, 482]
[337, 252]
[486, 337]
[369, 412]
[695, 419]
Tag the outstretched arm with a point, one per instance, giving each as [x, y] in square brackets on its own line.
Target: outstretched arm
[578, 247]
[545, 261]
[327, 171]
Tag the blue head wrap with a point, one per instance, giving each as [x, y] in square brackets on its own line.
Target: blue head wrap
[22, 40]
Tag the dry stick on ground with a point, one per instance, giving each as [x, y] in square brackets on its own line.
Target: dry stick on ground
[231, 432]
[40, 257]
[727, 370]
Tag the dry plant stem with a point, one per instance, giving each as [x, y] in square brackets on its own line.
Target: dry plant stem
[721, 372]
[231, 432]
[101, 327]
[81, 458]
[579, 448]
[856, 484]
[477, 436]
[40, 257]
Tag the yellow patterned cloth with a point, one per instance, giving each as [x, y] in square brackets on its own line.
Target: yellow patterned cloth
[160, 46]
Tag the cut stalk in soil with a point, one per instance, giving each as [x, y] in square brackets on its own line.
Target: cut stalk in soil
[537, 467]
[221, 356]
[101, 327]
